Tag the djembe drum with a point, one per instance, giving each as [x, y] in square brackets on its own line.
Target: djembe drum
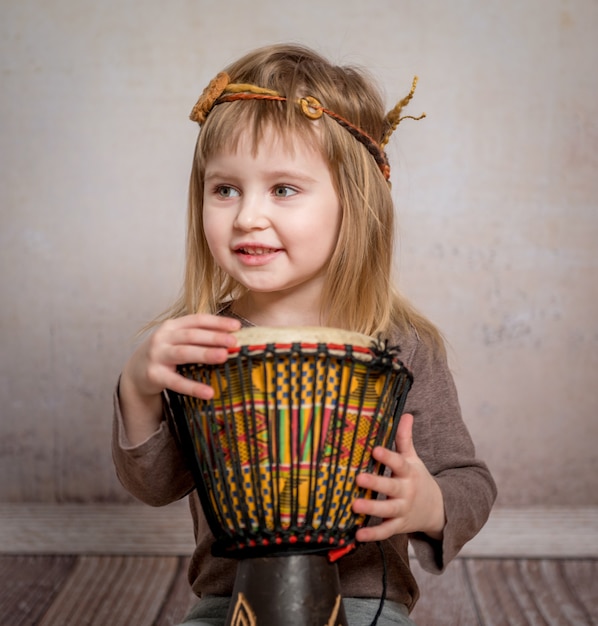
[295, 415]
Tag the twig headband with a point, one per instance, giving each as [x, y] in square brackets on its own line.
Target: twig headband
[220, 90]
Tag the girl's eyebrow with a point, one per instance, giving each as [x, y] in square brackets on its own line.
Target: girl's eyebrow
[279, 175]
[215, 174]
[291, 174]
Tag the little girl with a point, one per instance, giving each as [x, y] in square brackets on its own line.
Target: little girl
[291, 224]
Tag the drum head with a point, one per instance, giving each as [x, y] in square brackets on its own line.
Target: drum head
[256, 336]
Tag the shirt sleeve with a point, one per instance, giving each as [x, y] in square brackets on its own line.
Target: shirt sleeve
[443, 443]
[153, 471]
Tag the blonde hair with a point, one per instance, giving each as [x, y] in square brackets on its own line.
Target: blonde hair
[358, 293]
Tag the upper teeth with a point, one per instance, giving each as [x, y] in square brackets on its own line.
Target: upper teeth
[257, 250]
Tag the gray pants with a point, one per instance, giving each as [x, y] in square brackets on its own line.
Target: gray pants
[212, 610]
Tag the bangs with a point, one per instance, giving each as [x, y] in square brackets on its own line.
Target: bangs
[230, 121]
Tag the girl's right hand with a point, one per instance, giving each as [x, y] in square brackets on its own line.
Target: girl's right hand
[152, 368]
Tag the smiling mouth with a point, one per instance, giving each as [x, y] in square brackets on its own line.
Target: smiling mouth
[256, 251]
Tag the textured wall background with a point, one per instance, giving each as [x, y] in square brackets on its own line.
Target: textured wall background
[497, 193]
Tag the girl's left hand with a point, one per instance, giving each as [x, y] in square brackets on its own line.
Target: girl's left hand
[413, 500]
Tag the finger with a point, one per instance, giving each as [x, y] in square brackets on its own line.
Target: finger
[183, 354]
[394, 461]
[384, 485]
[197, 329]
[187, 386]
[376, 533]
[201, 337]
[404, 436]
[387, 509]
[210, 322]
[365, 506]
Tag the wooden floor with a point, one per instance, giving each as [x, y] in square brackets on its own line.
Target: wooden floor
[113, 580]
[144, 590]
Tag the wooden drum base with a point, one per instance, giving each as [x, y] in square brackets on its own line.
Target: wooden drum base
[294, 590]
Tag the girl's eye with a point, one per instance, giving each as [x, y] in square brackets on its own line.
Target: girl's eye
[224, 191]
[282, 191]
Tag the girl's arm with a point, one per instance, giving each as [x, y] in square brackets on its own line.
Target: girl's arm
[440, 494]
[146, 456]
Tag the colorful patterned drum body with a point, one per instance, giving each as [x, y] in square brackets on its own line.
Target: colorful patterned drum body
[294, 418]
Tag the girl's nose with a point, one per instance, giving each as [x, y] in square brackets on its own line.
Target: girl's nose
[251, 214]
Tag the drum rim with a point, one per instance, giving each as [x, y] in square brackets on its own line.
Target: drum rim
[307, 339]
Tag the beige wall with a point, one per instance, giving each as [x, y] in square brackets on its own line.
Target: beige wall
[497, 193]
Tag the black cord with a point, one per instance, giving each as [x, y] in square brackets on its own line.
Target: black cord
[383, 596]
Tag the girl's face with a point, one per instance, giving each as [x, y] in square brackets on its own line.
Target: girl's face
[271, 217]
